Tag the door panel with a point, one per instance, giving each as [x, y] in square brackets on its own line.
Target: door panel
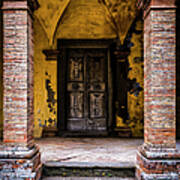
[96, 68]
[86, 90]
[75, 69]
[76, 107]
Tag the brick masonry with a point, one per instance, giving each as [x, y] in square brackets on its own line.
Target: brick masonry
[159, 95]
[19, 156]
[178, 69]
[158, 157]
[16, 77]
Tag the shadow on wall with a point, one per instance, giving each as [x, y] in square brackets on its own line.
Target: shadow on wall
[1, 74]
[178, 69]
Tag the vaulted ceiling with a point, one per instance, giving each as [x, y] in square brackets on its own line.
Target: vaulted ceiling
[118, 13]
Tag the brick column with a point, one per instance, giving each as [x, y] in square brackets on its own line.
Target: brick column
[19, 156]
[158, 158]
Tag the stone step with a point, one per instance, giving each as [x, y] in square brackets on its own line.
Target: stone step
[87, 170]
[86, 178]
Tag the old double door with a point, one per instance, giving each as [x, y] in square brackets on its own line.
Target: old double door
[87, 90]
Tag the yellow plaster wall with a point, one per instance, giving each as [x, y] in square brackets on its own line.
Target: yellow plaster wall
[136, 102]
[43, 70]
[84, 20]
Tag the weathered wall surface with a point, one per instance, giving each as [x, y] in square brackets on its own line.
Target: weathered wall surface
[76, 19]
[130, 85]
[136, 75]
[44, 83]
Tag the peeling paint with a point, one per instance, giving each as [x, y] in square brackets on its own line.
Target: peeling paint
[134, 87]
[132, 115]
[51, 95]
[136, 79]
[42, 112]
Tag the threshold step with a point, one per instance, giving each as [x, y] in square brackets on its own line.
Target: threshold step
[95, 170]
[86, 178]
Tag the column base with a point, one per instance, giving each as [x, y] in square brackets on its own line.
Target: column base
[20, 163]
[158, 164]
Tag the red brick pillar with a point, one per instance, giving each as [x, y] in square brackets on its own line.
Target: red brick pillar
[158, 158]
[19, 156]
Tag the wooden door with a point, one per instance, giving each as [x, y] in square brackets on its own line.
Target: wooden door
[86, 90]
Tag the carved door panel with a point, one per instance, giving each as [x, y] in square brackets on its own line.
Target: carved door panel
[86, 90]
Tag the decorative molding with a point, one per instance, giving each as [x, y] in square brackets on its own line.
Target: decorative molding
[51, 54]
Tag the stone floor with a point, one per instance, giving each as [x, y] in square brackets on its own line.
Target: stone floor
[101, 150]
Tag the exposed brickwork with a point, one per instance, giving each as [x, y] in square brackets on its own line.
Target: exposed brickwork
[15, 76]
[178, 70]
[19, 157]
[20, 163]
[158, 157]
[159, 95]
[18, 74]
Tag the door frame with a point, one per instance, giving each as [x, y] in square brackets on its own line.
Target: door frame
[63, 45]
